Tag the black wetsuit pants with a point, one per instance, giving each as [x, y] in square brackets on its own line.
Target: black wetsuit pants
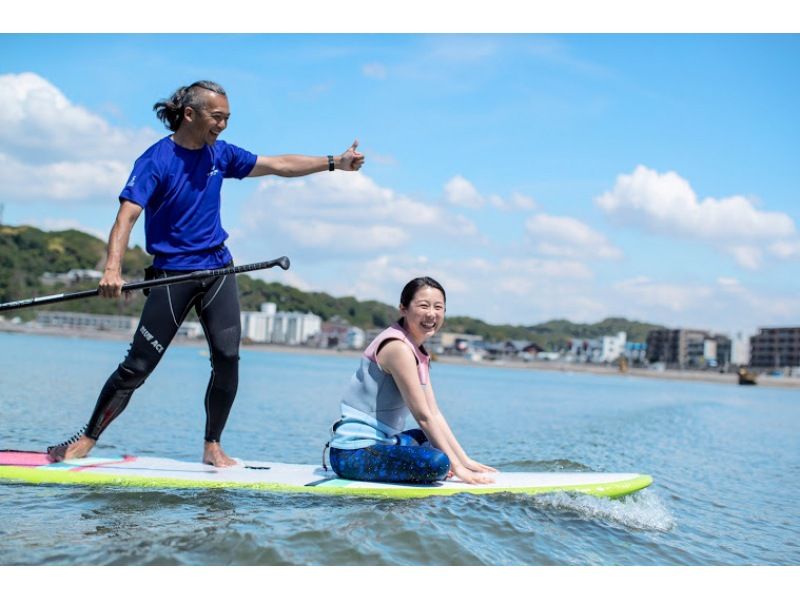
[216, 302]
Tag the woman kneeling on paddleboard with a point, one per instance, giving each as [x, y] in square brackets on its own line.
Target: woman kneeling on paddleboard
[368, 442]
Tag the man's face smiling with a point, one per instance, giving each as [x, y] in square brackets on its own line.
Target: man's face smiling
[210, 120]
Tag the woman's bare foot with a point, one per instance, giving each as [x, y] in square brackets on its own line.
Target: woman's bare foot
[214, 455]
[76, 450]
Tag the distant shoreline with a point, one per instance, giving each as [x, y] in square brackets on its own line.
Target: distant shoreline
[551, 366]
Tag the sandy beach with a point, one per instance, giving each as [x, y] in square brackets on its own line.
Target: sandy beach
[708, 376]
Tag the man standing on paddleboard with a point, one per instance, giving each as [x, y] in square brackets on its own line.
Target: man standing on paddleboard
[177, 183]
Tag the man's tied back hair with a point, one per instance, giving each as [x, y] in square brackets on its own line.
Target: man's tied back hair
[170, 112]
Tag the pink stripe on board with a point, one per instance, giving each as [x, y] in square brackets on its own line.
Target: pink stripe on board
[125, 459]
[24, 459]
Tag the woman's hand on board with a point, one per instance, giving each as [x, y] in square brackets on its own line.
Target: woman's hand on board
[473, 465]
[468, 476]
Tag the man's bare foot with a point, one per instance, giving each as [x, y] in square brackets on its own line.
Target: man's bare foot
[214, 455]
[76, 450]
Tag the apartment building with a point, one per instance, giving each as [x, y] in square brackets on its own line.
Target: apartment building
[272, 326]
[686, 348]
[775, 348]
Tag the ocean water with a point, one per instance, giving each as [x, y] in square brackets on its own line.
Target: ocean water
[725, 462]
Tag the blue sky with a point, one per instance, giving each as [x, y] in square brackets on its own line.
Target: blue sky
[653, 177]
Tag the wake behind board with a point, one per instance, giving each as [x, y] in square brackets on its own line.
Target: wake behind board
[151, 472]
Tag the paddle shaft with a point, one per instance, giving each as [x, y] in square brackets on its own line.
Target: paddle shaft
[282, 262]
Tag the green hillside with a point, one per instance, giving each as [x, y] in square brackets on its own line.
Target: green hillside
[558, 330]
[552, 335]
[27, 252]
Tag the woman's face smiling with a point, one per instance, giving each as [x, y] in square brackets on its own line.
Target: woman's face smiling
[425, 316]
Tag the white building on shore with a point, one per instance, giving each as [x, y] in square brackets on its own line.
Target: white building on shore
[272, 326]
[72, 320]
[613, 347]
[258, 325]
[355, 338]
[740, 349]
[71, 277]
[80, 321]
[605, 349]
[265, 326]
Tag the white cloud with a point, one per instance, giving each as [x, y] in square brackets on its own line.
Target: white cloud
[723, 305]
[62, 181]
[346, 213]
[524, 275]
[500, 291]
[522, 290]
[754, 307]
[348, 235]
[321, 235]
[554, 51]
[727, 282]
[383, 277]
[351, 236]
[54, 149]
[676, 298]
[374, 70]
[523, 202]
[313, 92]
[459, 191]
[58, 224]
[785, 249]
[667, 203]
[346, 197]
[382, 159]
[40, 123]
[747, 256]
[568, 237]
[533, 291]
[461, 50]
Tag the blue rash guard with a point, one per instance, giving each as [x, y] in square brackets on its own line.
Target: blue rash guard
[179, 189]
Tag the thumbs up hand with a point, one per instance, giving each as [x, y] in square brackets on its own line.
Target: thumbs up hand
[351, 159]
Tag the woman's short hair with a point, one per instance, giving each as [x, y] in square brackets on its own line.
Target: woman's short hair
[170, 111]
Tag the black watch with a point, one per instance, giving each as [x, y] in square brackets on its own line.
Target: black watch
[330, 163]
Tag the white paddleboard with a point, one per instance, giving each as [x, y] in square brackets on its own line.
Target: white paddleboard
[143, 472]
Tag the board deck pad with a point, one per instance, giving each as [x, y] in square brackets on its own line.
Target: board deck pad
[149, 472]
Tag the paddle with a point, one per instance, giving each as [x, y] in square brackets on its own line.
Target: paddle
[283, 262]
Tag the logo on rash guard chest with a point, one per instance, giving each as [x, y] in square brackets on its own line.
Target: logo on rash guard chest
[213, 172]
[151, 339]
